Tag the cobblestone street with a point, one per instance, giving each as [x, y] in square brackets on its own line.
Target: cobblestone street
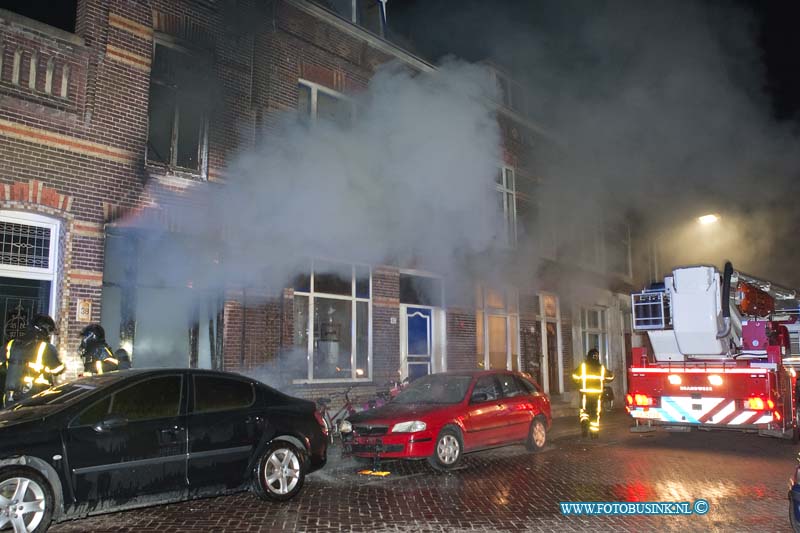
[744, 478]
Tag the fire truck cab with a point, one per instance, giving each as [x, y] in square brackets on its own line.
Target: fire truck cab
[719, 354]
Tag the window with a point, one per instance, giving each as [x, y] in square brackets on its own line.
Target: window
[315, 102]
[594, 332]
[497, 329]
[509, 385]
[617, 250]
[366, 13]
[59, 14]
[526, 386]
[177, 110]
[420, 290]
[333, 321]
[504, 184]
[220, 394]
[150, 399]
[487, 385]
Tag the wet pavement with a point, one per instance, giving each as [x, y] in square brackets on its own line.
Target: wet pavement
[743, 477]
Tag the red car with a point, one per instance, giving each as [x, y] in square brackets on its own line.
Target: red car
[443, 416]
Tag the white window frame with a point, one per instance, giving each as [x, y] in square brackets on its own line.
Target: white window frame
[45, 274]
[511, 316]
[316, 88]
[312, 295]
[601, 331]
[202, 171]
[509, 211]
[543, 320]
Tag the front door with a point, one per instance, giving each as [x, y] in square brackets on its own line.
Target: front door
[20, 300]
[142, 453]
[419, 349]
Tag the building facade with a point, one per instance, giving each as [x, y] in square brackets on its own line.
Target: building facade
[98, 108]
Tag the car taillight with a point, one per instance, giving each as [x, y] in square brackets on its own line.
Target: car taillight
[322, 423]
[755, 404]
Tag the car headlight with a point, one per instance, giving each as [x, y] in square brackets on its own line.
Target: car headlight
[345, 426]
[409, 427]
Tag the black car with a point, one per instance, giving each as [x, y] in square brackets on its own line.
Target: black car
[141, 437]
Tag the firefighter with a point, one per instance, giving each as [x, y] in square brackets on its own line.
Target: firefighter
[124, 358]
[592, 377]
[30, 362]
[96, 354]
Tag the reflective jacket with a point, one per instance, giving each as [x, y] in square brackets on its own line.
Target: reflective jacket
[99, 359]
[592, 377]
[30, 365]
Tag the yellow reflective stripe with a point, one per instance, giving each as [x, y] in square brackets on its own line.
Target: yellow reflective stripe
[592, 391]
[99, 366]
[41, 380]
[110, 360]
[37, 365]
[583, 374]
[8, 349]
[28, 379]
[56, 370]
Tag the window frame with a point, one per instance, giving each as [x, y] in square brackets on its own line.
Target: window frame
[167, 41]
[103, 396]
[509, 212]
[193, 409]
[510, 311]
[543, 319]
[601, 330]
[315, 89]
[312, 294]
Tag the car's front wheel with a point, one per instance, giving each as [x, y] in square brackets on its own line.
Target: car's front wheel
[26, 500]
[280, 473]
[448, 449]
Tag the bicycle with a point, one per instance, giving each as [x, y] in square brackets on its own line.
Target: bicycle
[333, 422]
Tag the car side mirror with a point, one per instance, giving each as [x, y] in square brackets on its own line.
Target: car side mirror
[111, 422]
[478, 397]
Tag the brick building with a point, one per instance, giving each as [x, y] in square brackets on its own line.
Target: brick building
[97, 109]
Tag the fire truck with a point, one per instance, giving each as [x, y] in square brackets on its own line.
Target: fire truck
[719, 354]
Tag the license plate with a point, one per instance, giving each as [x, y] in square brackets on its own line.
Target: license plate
[646, 414]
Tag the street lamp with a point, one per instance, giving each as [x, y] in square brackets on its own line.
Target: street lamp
[705, 220]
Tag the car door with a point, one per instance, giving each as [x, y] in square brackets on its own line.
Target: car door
[516, 409]
[130, 443]
[225, 425]
[484, 422]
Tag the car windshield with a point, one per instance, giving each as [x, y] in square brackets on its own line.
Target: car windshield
[435, 389]
[60, 394]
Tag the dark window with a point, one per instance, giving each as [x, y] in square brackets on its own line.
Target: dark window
[95, 413]
[369, 15]
[509, 385]
[150, 399]
[220, 394]
[177, 109]
[419, 290]
[527, 386]
[154, 398]
[60, 14]
[333, 278]
[487, 385]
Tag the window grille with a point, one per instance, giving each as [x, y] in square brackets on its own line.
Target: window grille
[24, 245]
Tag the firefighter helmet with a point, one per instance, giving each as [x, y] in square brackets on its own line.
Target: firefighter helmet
[42, 326]
[91, 335]
[593, 355]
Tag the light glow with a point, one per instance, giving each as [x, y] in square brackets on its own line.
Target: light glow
[715, 380]
[756, 404]
[674, 379]
[707, 219]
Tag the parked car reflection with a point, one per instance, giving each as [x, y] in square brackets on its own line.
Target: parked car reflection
[130, 439]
